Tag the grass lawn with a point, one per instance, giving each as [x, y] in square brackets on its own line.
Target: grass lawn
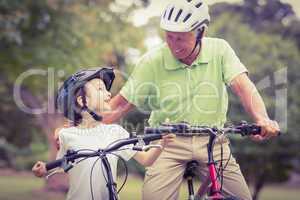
[28, 188]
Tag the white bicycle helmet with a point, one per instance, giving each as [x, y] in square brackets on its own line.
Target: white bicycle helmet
[185, 16]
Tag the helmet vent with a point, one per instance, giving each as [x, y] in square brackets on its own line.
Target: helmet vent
[198, 5]
[165, 14]
[187, 17]
[195, 23]
[178, 15]
[170, 13]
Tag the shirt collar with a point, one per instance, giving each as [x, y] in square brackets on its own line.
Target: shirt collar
[171, 63]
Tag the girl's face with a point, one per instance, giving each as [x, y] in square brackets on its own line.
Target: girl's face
[97, 97]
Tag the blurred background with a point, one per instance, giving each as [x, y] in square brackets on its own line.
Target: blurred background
[42, 42]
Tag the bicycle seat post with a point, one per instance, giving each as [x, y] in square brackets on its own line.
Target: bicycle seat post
[189, 174]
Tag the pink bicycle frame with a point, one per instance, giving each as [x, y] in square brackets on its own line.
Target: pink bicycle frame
[211, 184]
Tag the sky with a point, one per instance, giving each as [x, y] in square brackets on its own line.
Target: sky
[155, 8]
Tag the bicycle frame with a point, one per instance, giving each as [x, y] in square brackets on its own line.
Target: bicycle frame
[215, 192]
[71, 156]
[111, 185]
[214, 189]
[184, 129]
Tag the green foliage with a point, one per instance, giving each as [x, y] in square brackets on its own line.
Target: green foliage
[71, 36]
[264, 54]
[68, 35]
[264, 16]
[57, 35]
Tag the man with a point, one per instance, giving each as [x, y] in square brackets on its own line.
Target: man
[185, 80]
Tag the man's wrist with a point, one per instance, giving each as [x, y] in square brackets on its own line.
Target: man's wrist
[260, 119]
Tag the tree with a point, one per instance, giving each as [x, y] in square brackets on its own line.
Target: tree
[55, 38]
[265, 55]
[271, 16]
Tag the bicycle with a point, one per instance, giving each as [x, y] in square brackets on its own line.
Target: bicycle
[68, 160]
[211, 185]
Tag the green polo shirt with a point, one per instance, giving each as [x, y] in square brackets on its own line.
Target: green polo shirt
[174, 92]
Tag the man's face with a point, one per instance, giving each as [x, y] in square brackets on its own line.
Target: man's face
[181, 44]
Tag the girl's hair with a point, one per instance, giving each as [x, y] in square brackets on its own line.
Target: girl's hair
[79, 109]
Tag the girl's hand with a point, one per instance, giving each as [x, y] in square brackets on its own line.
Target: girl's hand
[166, 139]
[39, 169]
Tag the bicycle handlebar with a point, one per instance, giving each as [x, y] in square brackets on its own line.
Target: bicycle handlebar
[54, 164]
[73, 155]
[243, 129]
[152, 134]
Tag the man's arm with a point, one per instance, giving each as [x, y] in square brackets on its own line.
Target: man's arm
[244, 88]
[120, 106]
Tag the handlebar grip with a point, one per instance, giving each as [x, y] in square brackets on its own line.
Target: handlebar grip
[255, 130]
[54, 164]
[160, 130]
[258, 130]
[149, 130]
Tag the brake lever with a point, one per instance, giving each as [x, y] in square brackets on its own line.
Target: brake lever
[65, 167]
[140, 144]
[147, 147]
[60, 170]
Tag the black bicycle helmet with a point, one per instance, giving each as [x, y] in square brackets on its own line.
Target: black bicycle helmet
[65, 100]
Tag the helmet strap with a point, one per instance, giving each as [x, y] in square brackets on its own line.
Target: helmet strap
[198, 41]
[93, 114]
[85, 107]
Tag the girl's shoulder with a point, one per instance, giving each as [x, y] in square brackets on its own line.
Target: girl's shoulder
[116, 130]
